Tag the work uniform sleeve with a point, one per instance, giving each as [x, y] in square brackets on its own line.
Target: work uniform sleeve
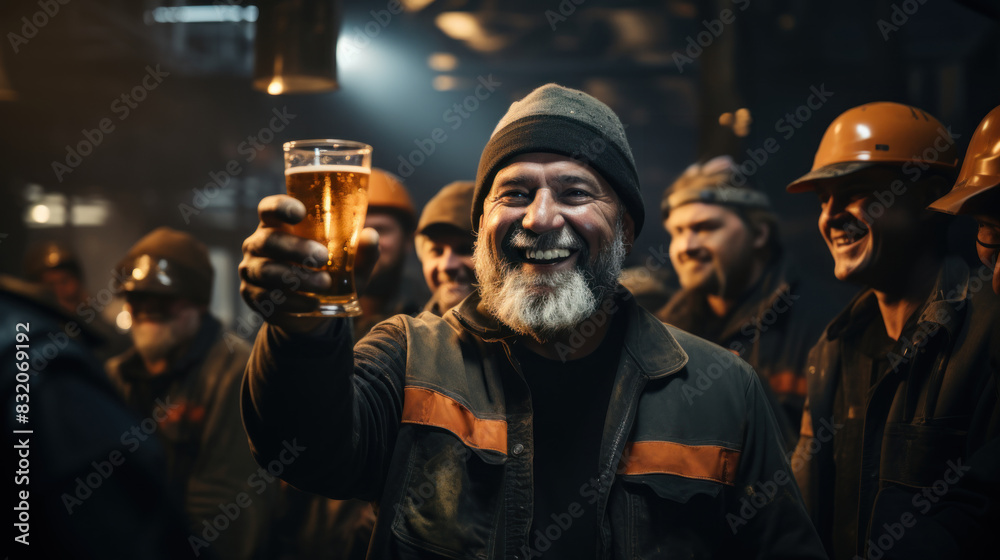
[225, 481]
[338, 406]
[770, 519]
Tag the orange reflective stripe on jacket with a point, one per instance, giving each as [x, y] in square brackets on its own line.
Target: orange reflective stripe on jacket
[706, 462]
[430, 408]
[785, 382]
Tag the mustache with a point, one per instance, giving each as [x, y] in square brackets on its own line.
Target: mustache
[848, 224]
[519, 239]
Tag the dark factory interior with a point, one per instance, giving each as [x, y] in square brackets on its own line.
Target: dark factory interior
[121, 116]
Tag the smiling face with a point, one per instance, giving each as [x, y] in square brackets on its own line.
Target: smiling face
[871, 241]
[446, 258]
[712, 248]
[552, 240]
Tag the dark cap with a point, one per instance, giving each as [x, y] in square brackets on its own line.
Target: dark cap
[559, 120]
[169, 262]
[716, 181]
[451, 206]
[50, 255]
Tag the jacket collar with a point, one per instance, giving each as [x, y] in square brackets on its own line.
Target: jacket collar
[647, 341]
[472, 313]
[775, 282]
[945, 306]
[942, 307]
[689, 309]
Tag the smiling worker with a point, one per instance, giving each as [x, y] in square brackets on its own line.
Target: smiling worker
[738, 287]
[541, 417]
[901, 380]
[444, 246]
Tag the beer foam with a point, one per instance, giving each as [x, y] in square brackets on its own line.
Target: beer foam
[328, 169]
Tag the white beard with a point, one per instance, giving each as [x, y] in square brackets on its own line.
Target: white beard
[546, 306]
[154, 341]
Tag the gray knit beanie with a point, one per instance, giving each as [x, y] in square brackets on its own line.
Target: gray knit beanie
[569, 122]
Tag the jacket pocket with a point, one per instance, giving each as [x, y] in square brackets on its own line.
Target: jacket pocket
[451, 497]
[663, 516]
[916, 455]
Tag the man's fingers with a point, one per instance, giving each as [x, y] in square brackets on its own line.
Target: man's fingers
[290, 302]
[280, 210]
[274, 271]
[281, 246]
[271, 275]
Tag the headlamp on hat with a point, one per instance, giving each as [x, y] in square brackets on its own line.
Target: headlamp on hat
[168, 263]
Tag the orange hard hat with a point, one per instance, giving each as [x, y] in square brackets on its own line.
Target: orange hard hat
[386, 193]
[980, 170]
[880, 132]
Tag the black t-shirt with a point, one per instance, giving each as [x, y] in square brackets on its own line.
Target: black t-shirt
[570, 402]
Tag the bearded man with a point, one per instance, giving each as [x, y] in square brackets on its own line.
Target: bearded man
[182, 376]
[545, 415]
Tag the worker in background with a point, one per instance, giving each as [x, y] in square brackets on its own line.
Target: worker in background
[184, 372]
[898, 452]
[976, 193]
[391, 213]
[444, 245]
[57, 267]
[80, 491]
[738, 288]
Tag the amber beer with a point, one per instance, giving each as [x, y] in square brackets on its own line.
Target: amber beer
[330, 177]
[336, 199]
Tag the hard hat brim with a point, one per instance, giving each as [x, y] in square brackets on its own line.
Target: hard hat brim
[807, 182]
[960, 200]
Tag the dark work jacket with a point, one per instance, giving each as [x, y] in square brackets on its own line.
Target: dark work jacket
[930, 451]
[431, 417]
[772, 328]
[88, 495]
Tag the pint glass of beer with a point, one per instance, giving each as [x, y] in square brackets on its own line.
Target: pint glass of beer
[331, 178]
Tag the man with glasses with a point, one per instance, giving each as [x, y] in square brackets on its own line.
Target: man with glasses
[975, 192]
